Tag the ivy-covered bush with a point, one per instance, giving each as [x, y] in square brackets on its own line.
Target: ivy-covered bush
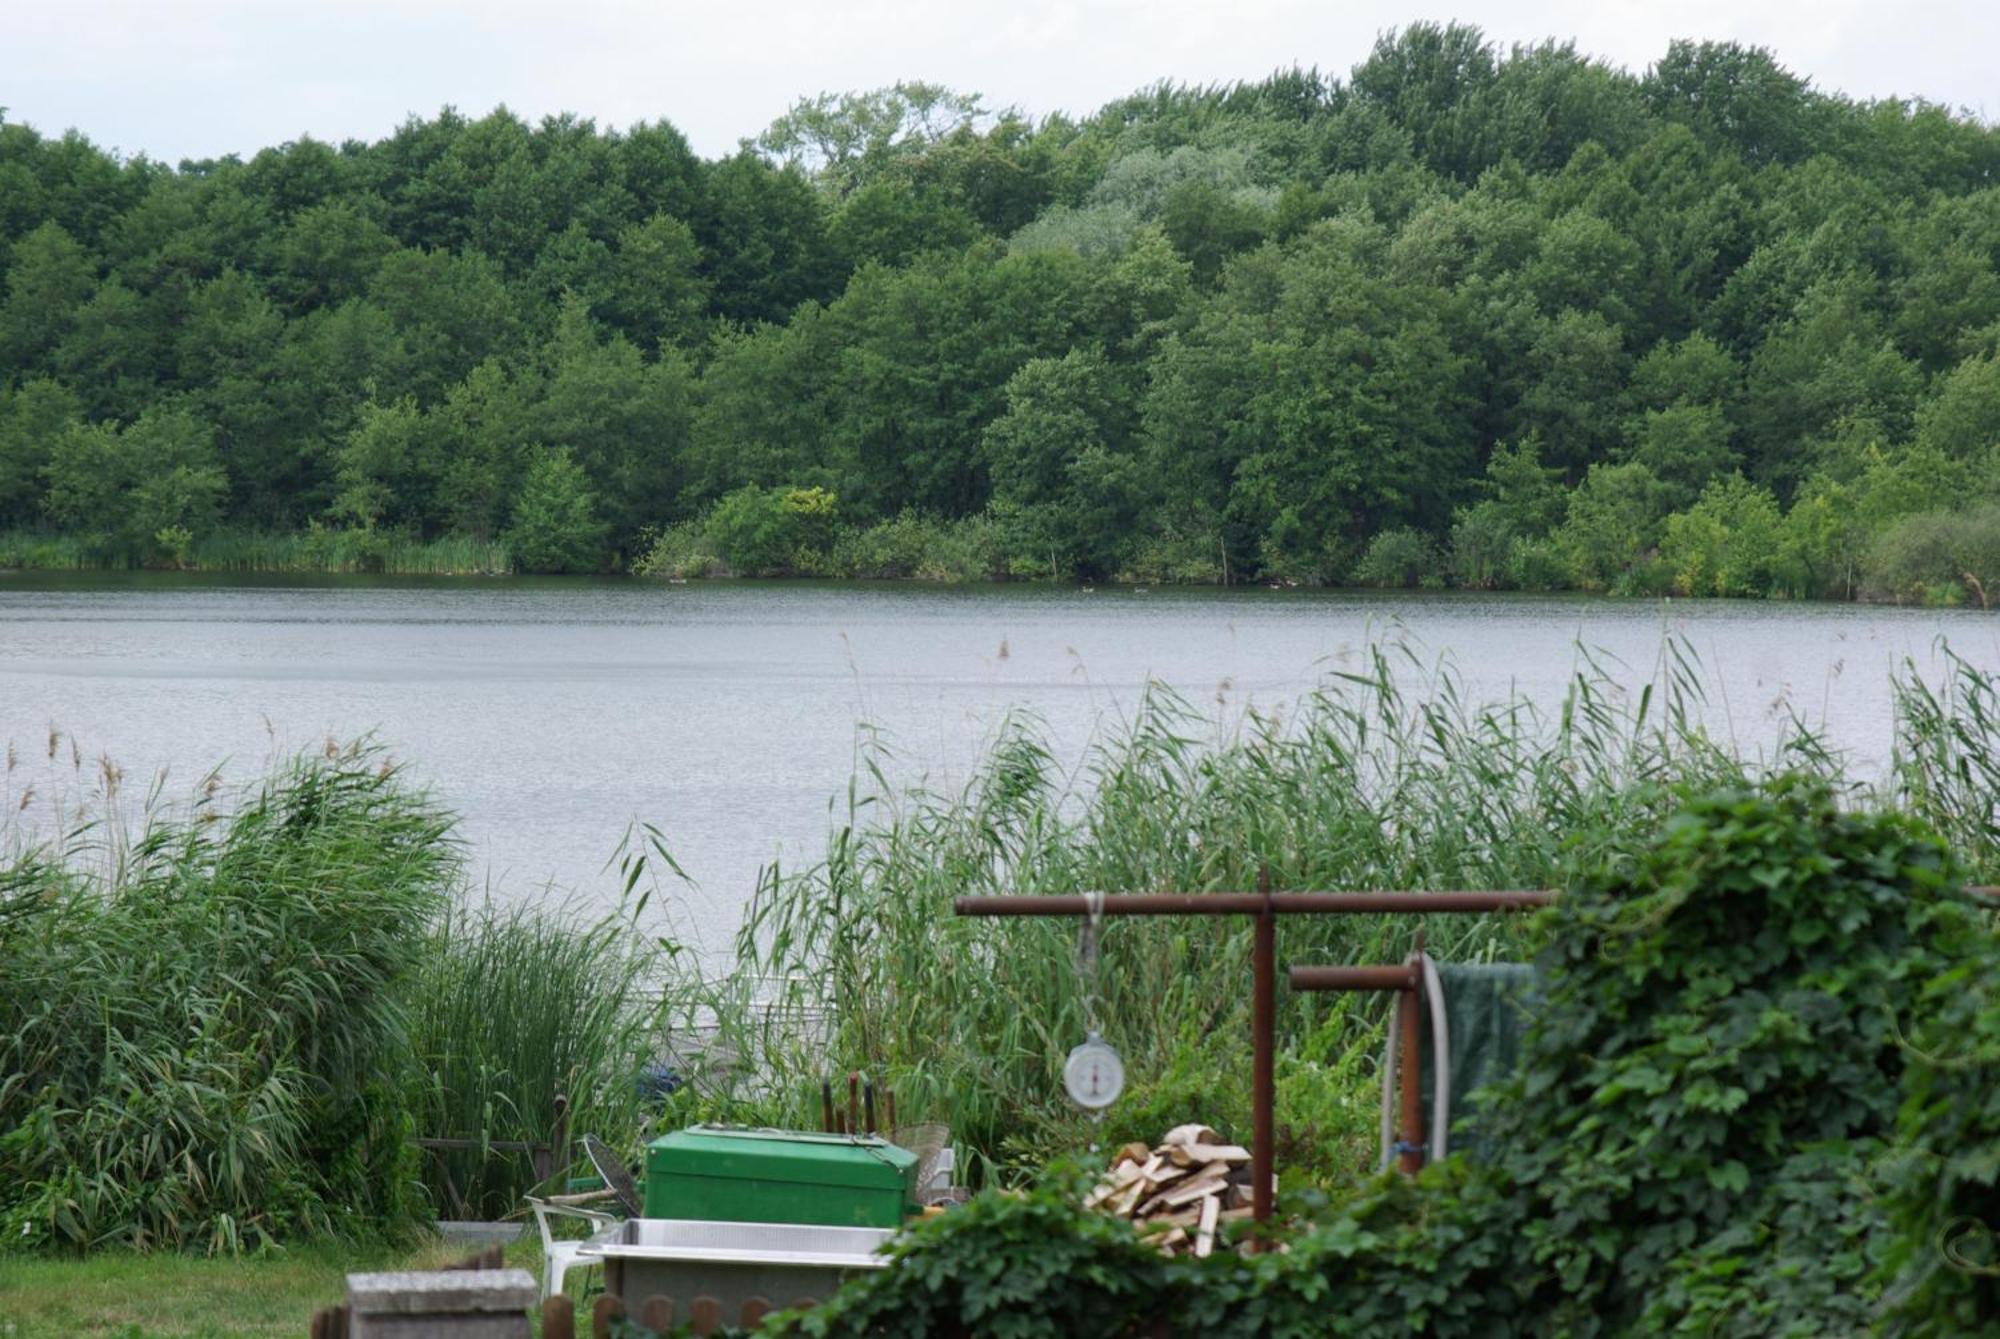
[1943, 1183]
[1735, 1028]
[1717, 1057]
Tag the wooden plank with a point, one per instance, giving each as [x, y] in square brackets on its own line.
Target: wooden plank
[1204, 1236]
[608, 1308]
[559, 1318]
[656, 1313]
[1205, 1153]
[705, 1316]
[1191, 1134]
[1193, 1190]
[754, 1311]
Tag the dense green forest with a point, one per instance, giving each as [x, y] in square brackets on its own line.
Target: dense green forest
[1470, 316]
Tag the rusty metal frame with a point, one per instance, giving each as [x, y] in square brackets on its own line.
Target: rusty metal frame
[1406, 981]
[1264, 906]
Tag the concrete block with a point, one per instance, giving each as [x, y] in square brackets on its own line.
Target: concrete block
[448, 1304]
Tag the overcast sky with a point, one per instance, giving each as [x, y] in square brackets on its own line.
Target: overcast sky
[199, 78]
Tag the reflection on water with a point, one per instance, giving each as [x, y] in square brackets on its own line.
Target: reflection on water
[551, 713]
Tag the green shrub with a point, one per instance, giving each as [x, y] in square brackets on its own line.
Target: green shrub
[1399, 558]
[925, 548]
[1942, 1184]
[1714, 1065]
[1731, 542]
[1937, 558]
[680, 551]
[1537, 564]
[555, 526]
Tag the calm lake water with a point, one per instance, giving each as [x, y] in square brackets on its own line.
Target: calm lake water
[552, 713]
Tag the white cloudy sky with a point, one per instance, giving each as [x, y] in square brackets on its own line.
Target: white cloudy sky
[195, 78]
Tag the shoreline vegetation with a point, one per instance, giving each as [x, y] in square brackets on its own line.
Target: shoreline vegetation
[1468, 316]
[1934, 559]
[225, 1021]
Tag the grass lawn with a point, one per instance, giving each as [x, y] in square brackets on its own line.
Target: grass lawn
[132, 1295]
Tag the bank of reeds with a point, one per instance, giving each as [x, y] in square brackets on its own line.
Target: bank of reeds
[204, 1047]
[328, 550]
[221, 1025]
[315, 549]
[1386, 778]
[511, 1009]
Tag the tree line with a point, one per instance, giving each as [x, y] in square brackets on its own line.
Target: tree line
[1469, 316]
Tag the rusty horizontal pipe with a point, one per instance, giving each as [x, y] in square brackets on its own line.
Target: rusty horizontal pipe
[1402, 976]
[1250, 904]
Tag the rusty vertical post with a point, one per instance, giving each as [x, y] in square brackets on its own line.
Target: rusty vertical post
[1263, 1078]
[1411, 1158]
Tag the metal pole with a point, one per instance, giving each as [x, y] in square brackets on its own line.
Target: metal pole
[1251, 904]
[1353, 978]
[1263, 1057]
[1412, 1159]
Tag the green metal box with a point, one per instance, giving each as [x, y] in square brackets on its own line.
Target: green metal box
[733, 1175]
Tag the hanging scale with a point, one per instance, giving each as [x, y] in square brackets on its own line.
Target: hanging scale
[1094, 1074]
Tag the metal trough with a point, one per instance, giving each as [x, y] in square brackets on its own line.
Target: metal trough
[776, 1263]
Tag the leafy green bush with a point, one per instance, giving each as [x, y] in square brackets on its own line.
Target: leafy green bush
[555, 526]
[913, 545]
[751, 530]
[1716, 1055]
[1399, 558]
[1937, 557]
[1942, 1185]
[680, 551]
[1731, 542]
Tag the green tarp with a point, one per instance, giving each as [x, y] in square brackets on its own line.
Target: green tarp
[1486, 1009]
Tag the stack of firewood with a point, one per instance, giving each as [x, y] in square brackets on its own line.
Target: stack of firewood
[1180, 1192]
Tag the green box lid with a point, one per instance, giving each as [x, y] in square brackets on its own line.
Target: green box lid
[730, 1153]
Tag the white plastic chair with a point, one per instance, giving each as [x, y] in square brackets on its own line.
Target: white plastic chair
[560, 1254]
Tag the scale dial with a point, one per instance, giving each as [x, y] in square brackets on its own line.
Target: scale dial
[1094, 1074]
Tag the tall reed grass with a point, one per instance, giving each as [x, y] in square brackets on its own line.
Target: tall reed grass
[512, 1008]
[315, 549]
[318, 549]
[222, 1024]
[1387, 778]
[205, 1046]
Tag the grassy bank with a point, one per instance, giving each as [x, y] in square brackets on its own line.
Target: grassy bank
[173, 1296]
[313, 550]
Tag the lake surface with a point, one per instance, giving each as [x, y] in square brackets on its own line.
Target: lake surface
[552, 713]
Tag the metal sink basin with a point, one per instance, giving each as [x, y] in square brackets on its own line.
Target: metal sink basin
[775, 1264]
[709, 1242]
